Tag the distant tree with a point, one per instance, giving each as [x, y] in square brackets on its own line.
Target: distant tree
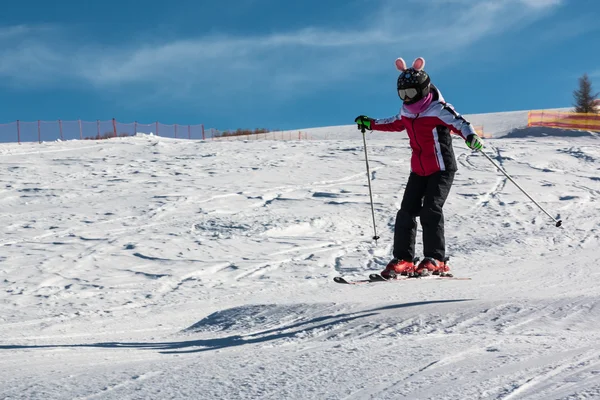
[585, 101]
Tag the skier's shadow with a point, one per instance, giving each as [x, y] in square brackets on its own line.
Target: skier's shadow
[202, 345]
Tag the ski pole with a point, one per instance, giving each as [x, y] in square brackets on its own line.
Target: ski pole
[558, 222]
[375, 237]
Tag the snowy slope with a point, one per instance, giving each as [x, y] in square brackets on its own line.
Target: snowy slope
[156, 268]
[495, 124]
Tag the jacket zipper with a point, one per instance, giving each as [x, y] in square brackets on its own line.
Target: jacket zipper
[419, 144]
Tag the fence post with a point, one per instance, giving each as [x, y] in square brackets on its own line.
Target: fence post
[135, 128]
[98, 125]
[175, 131]
[39, 132]
[19, 131]
[60, 128]
[156, 128]
[115, 127]
[202, 126]
[80, 130]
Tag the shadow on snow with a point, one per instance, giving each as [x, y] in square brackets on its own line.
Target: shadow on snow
[201, 345]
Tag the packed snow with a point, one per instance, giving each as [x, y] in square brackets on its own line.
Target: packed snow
[154, 268]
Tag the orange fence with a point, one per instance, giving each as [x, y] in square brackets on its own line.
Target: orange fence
[564, 120]
[45, 131]
[42, 131]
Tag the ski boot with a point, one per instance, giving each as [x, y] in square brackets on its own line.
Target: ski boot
[431, 266]
[398, 268]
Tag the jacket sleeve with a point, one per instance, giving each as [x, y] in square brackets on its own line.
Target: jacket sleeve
[455, 122]
[392, 124]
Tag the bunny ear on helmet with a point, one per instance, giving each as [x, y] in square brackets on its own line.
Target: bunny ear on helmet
[419, 64]
[400, 64]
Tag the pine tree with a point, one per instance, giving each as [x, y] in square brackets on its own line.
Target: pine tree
[585, 101]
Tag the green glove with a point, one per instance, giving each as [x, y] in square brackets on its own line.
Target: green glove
[474, 142]
[364, 121]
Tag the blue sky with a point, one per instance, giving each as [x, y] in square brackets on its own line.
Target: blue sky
[286, 64]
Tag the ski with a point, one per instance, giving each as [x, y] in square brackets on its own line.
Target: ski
[379, 278]
[374, 278]
[339, 279]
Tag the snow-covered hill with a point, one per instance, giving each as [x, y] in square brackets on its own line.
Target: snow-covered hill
[157, 268]
[495, 125]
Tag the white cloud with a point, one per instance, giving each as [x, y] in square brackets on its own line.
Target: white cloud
[299, 60]
[10, 31]
[542, 3]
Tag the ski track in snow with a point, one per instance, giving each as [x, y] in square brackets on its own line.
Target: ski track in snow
[156, 268]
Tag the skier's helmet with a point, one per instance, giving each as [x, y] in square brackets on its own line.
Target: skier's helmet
[413, 82]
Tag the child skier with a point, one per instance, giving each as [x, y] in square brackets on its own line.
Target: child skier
[428, 120]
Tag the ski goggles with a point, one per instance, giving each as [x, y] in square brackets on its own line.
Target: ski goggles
[407, 94]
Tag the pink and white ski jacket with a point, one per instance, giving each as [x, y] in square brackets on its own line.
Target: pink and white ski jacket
[429, 134]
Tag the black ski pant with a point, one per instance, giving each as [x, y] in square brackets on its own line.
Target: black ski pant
[424, 196]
